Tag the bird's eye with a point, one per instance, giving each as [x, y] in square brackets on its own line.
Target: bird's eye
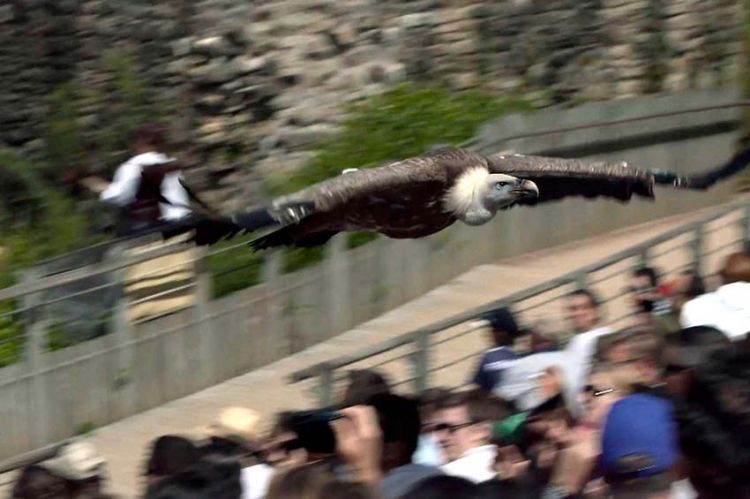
[500, 185]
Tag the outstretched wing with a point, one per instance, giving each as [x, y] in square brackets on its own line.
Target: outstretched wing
[558, 178]
[440, 166]
[352, 198]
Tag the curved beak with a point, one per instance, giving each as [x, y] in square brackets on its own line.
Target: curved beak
[526, 189]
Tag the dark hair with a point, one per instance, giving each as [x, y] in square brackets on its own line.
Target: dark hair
[696, 287]
[35, 481]
[171, 454]
[314, 481]
[480, 405]
[714, 424]
[228, 445]
[502, 321]
[400, 424]
[593, 298]
[363, 384]
[430, 400]
[283, 423]
[345, 490]
[522, 488]
[644, 343]
[650, 272]
[150, 135]
[692, 346]
[442, 486]
[217, 477]
[736, 268]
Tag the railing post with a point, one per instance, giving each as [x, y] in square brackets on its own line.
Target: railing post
[35, 329]
[643, 257]
[697, 248]
[582, 280]
[201, 350]
[325, 386]
[421, 362]
[276, 322]
[339, 301]
[125, 394]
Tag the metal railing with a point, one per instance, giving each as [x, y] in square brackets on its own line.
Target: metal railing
[422, 341]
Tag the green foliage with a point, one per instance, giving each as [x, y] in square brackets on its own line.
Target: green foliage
[234, 269]
[59, 229]
[655, 49]
[357, 239]
[64, 135]
[11, 336]
[125, 105]
[402, 122]
[298, 258]
[85, 428]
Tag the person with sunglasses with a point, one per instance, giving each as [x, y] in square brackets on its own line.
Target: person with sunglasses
[463, 431]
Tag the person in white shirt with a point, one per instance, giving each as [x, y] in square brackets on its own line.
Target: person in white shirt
[728, 308]
[463, 432]
[142, 183]
[585, 318]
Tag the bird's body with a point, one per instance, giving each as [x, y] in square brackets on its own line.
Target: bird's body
[423, 195]
[407, 199]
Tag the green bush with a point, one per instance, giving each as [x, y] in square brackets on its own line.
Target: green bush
[59, 229]
[402, 122]
[405, 121]
[64, 141]
[123, 106]
[11, 336]
[235, 269]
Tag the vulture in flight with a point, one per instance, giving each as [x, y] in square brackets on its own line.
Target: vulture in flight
[423, 195]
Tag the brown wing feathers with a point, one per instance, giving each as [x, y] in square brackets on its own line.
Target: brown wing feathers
[558, 178]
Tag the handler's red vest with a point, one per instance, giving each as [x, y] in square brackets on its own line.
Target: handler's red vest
[145, 208]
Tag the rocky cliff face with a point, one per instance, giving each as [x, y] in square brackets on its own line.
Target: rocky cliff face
[252, 85]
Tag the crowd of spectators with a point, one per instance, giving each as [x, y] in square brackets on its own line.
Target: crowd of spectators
[658, 409]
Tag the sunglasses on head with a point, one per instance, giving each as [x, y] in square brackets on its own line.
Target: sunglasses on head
[450, 428]
[595, 391]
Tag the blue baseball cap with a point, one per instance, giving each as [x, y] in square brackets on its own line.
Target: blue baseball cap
[639, 438]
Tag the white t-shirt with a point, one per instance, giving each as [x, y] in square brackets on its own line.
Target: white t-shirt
[255, 481]
[477, 464]
[579, 352]
[124, 186]
[727, 309]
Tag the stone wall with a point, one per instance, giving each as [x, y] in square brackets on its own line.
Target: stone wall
[253, 85]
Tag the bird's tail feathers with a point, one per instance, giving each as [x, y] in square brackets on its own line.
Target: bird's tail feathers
[210, 230]
[705, 180]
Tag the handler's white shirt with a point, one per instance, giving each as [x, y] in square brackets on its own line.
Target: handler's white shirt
[124, 186]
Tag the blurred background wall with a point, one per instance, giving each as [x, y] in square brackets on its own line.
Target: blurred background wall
[249, 87]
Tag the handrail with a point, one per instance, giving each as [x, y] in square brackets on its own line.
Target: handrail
[568, 278]
[68, 277]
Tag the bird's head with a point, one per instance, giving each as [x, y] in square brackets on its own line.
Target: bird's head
[503, 190]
